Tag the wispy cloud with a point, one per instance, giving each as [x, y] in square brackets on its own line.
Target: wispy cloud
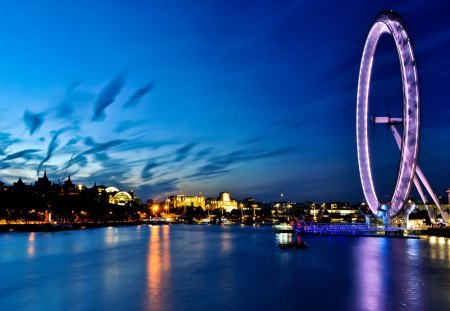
[6, 140]
[183, 152]
[202, 153]
[220, 165]
[134, 99]
[25, 154]
[107, 96]
[129, 124]
[33, 121]
[65, 107]
[111, 175]
[147, 173]
[51, 148]
[158, 188]
[97, 148]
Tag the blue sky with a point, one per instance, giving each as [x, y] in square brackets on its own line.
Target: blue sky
[256, 98]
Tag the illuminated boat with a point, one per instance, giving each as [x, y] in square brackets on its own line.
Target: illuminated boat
[282, 228]
[206, 220]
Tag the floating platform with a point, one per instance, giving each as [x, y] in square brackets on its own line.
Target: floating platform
[359, 234]
[293, 245]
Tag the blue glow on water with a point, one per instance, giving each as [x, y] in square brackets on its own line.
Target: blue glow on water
[188, 267]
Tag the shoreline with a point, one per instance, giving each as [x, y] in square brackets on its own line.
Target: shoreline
[71, 226]
[5, 228]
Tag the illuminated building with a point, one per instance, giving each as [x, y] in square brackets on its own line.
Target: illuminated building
[122, 198]
[111, 192]
[224, 202]
[115, 196]
[182, 200]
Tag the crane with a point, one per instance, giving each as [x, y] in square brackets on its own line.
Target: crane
[67, 167]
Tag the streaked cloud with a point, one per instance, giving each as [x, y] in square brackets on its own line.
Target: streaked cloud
[107, 96]
[33, 121]
[23, 154]
[136, 97]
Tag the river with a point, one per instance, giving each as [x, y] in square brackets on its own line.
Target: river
[212, 267]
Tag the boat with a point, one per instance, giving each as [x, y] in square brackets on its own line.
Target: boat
[282, 228]
[294, 245]
[206, 220]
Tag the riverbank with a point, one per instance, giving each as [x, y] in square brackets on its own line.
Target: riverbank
[73, 226]
[413, 234]
[442, 232]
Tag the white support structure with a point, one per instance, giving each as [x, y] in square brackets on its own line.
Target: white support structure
[418, 174]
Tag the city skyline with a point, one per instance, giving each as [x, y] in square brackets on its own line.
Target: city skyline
[255, 99]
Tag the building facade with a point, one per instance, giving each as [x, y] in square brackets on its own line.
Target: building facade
[182, 200]
[223, 202]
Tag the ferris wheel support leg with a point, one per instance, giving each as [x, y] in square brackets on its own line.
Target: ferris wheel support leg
[423, 179]
[444, 214]
[367, 218]
[386, 219]
[424, 200]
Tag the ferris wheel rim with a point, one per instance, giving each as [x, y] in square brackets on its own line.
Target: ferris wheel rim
[389, 23]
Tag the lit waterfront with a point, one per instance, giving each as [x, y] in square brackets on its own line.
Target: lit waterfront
[217, 268]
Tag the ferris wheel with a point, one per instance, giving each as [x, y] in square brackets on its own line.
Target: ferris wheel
[408, 172]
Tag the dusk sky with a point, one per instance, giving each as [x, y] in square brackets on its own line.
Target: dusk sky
[256, 98]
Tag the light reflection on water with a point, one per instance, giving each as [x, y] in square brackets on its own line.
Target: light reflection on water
[112, 235]
[30, 249]
[219, 268]
[441, 252]
[369, 273]
[158, 266]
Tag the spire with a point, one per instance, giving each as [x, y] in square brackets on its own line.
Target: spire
[45, 178]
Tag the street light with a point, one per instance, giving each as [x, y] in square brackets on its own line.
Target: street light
[166, 208]
[155, 208]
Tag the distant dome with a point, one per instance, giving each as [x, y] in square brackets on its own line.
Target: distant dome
[111, 189]
[122, 198]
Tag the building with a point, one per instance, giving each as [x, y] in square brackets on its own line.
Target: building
[115, 196]
[223, 202]
[182, 200]
[122, 198]
[43, 184]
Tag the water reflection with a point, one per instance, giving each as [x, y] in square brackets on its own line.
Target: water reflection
[226, 242]
[158, 266]
[370, 267]
[112, 236]
[283, 237]
[31, 244]
[440, 249]
[412, 275]
[389, 268]
[216, 268]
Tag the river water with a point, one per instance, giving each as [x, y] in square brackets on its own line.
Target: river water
[211, 267]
